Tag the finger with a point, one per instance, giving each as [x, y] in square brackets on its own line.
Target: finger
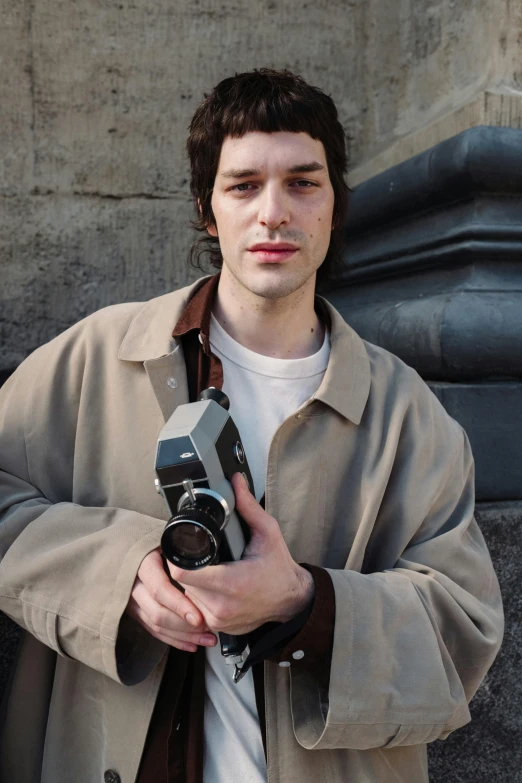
[153, 576]
[167, 635]
[178, 644]
[254, 515]
[159, 615]
[214, 579]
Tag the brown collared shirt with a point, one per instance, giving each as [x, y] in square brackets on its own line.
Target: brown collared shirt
[174, 746]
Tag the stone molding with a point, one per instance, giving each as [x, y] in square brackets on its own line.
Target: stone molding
[434, 275]
[433, 258]
[493, 107]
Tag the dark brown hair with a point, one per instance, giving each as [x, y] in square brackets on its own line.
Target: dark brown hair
[264, 100]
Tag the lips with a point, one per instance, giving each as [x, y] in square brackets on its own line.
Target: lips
[269, 253]
[271, 247]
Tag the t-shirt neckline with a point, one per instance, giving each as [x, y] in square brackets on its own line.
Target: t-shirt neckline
[306, 367]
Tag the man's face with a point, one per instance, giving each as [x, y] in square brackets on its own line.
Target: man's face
[273, 204]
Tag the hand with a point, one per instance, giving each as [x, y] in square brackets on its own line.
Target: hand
[265, 585]
[164, 611]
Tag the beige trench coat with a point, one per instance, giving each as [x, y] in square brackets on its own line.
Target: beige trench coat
[370, 479]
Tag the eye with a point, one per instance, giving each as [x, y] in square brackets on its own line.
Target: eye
[305, 183]
[241, 187]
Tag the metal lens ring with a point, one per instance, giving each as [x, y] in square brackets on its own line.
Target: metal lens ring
[191, 540]
[203, 495]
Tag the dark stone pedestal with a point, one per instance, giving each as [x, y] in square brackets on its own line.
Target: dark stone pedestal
[434, 275]
[491, 414]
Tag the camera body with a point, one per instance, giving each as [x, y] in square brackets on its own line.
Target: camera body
[199, 450]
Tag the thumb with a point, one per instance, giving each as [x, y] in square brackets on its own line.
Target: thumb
[247, 506]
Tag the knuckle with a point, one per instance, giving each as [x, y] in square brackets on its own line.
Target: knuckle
[225, 585]
[241, 585]
[181, 606]
[155, 591]
[222, 613]
[233, 588]
[156, 618]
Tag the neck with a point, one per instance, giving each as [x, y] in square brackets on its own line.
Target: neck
[285, 328]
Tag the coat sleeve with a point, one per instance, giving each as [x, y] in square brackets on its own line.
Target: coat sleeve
[413, 642]
[66, 570]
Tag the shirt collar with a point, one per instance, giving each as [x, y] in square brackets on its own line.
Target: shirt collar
[197, 312]
[158, 326]
[150, 334]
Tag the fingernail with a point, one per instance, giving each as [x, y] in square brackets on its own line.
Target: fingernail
[191, 618]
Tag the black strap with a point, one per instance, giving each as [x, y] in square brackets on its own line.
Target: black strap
[269, 639]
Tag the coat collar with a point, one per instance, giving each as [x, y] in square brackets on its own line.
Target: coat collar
[149, 335]
[346, 383]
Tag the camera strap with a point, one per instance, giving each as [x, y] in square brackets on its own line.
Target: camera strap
[267, 640]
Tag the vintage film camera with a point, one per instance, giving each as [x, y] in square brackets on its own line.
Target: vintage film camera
[199, 450]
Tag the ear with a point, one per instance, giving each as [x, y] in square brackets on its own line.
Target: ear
[211, 228]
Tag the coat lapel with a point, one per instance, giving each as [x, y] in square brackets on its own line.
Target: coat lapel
[168, 378]
[149, 341]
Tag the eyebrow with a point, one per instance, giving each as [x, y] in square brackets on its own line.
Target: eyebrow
[300, 168]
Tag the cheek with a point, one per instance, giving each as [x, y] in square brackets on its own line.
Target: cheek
[322, 229]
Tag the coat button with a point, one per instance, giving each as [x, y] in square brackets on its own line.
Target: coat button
[110, 776]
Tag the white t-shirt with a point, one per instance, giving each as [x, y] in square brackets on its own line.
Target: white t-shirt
[263, 392]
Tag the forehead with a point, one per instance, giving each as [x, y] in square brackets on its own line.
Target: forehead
[257, 150]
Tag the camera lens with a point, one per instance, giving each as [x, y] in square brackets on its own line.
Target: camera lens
[192, 537]
[191, 541]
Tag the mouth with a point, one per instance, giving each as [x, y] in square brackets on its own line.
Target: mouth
[269, 253]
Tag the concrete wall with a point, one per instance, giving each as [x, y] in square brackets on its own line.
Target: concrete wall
[435, 68]
[96, 96]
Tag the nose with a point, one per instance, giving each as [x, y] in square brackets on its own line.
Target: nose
[273, 207]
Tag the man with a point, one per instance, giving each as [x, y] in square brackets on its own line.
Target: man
[366, 577]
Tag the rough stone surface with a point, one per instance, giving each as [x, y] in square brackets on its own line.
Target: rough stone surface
[16, 99]
[500, 108]
[104, 90]
[96, 97]
[64, 257]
